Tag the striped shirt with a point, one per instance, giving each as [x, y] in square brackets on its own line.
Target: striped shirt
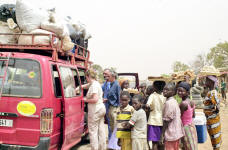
[124, 115]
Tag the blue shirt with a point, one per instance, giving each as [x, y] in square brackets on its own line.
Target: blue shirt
[113, 95]
[105, 88]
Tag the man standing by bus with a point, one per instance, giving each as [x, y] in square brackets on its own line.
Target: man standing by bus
[113, 98]
[106, 88]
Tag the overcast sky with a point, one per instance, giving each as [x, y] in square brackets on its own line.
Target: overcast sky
[147, 36]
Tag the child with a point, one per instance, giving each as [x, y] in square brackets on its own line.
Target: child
[149, 91]
[172, 130]
[138, 123]
[142, 90]
[124, 85]
[124, 114]
[177, 97]
[187, 108]
[155, 104]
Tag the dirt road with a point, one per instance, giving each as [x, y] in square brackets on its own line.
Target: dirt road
[204, 146]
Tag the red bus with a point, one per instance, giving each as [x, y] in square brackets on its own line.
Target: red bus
[39, 108]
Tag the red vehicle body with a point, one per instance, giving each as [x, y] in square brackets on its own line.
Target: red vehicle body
[39, 108]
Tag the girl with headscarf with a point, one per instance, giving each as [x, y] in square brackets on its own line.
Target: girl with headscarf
[211, 110]
[124, 84]
[187, 108]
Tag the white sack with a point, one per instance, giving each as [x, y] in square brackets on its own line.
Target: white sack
[57, 28]
[28, 16]
[38, 39]
[7, 39]
[66, 44]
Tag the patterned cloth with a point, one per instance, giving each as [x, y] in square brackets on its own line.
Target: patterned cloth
[190, 139]
[213, 119]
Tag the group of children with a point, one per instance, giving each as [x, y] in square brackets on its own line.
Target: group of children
[157, 118]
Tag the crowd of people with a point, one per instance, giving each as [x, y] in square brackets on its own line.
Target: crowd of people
[160, 117]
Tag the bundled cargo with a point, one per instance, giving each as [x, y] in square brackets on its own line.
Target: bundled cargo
[56, 28]
[28, 16]
[9, 27]
[38, 39]
[7, 11]
[196, 92]
[33, 20]
[66, 44]
[209, 70]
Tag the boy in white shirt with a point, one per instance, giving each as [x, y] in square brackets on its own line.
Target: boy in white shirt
[138, 123]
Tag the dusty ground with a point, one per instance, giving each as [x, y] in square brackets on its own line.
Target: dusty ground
[204, 146]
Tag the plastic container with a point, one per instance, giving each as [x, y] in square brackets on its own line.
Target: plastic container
[201, 128]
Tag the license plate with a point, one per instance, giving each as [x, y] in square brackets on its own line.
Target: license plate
[6, 123]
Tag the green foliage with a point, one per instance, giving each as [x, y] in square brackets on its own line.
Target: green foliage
[179, 66]
[165, 75]
[218, 55]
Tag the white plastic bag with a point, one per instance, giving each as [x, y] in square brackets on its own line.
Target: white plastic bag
[87, 36]
[11, 23]
[200, 118]
[112, 143]
[38, 39]
[28, 16]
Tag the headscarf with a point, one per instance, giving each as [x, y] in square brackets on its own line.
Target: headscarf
[185, 85]
[122, 80]
[214, 79]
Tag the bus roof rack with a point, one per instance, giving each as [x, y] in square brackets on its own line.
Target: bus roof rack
[54, 48]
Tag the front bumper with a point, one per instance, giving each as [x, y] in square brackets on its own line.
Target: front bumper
[42, 145]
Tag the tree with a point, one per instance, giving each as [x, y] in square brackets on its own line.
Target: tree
[113, 69]
[179, 66]
[218, 55]
[199, 62]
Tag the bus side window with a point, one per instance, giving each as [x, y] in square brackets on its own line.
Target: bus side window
[56, 81]
[76, 80]
[83, 80]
